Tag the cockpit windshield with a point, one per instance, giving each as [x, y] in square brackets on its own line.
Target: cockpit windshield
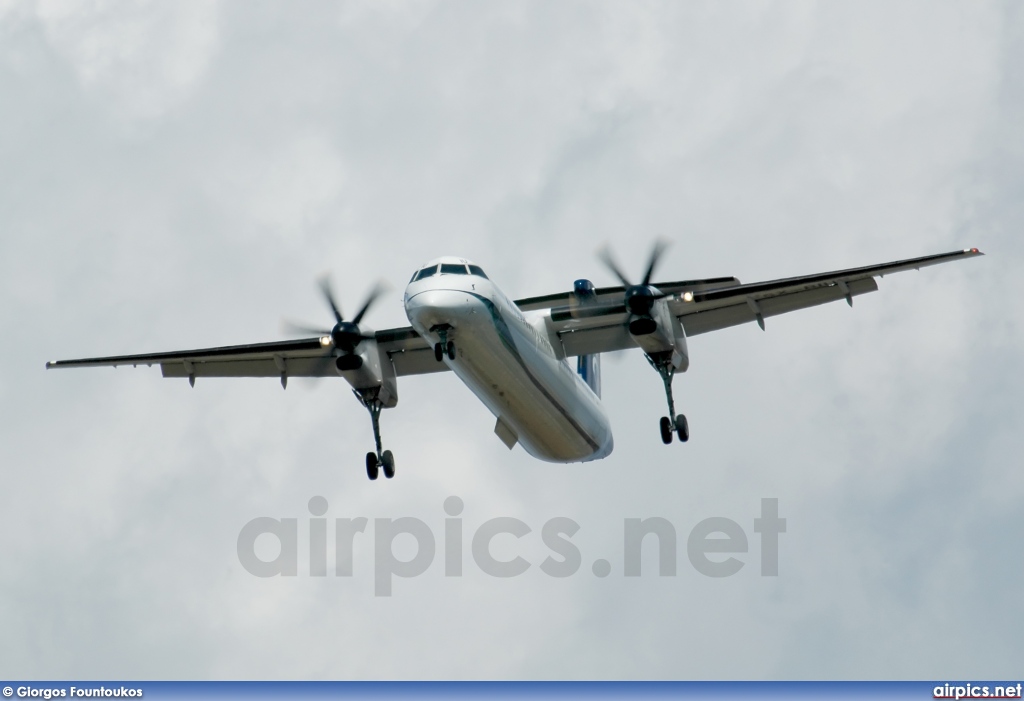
[448, 269]
[426, 272]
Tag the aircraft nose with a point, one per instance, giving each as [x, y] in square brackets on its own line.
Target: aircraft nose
[434, 307]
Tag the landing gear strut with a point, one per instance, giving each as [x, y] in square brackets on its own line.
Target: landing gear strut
[445, 347]
[662, 362]
[380, 459]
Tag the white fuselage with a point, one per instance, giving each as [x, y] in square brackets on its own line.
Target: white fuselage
[506, 359]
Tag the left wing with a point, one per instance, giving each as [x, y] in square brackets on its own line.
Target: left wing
[604, 295]
[601, 328]
[718, 309]
[410, 354]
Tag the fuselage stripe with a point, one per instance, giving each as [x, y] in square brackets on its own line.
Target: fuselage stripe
[505, 334]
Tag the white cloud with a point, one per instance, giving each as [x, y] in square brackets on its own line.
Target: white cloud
[286, 188]
[140, 58]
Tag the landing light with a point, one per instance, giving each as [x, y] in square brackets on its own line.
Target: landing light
[325, 341]
[687, 296]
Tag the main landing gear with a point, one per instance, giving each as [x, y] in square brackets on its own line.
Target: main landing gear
[445, 347]
[662, 362]
[380, 459]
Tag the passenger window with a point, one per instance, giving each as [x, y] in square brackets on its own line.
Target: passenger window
[426, 272]
[453, 269]
[477, 270]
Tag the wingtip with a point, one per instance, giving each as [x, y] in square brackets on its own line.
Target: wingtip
[50, 364]
[974, 251]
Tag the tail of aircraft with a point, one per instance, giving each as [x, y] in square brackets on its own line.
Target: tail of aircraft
[588, 366]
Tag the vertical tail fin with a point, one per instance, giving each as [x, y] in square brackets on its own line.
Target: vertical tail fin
[588, 366]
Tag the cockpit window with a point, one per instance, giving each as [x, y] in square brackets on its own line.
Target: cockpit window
[426, 272]
[477, 270]
[453, 269]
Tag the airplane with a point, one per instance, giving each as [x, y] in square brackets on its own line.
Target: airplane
[514, 354]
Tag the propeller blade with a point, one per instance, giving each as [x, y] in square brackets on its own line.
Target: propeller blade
[659, 248]
[605, 256]
[376, 292]
[325, 287]
[293, 328]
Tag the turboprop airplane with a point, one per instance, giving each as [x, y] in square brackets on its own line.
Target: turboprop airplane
[513, 355]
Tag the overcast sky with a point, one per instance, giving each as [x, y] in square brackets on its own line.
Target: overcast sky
[177, 174]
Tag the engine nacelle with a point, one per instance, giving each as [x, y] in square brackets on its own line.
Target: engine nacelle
[666, 335]
[368, 370]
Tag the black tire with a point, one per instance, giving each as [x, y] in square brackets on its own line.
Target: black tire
[387, 460]
[438, 352]
[371, 466]
[451, 350]
[666, 430]
[682, 428]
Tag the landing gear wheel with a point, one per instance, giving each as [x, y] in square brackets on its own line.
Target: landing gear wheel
[438, 352]
[682, 428]
[387, 460]
[371, 466]
[666, 430]
[451, 350]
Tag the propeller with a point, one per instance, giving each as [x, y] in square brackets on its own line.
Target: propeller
[344, 336]
[640, 298]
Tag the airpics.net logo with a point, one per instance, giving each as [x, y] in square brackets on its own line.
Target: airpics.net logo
[714, 546]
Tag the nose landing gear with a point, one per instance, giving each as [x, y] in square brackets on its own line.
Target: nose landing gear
[445, 347]
[382, 458]
[440, 350]
[662, 362]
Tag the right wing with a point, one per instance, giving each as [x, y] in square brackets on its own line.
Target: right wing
[409, 352]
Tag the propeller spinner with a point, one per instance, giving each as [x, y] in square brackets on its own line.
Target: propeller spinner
[639, 299]
[344, 336]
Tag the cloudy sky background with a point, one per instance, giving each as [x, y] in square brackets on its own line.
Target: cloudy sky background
[176, 175]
